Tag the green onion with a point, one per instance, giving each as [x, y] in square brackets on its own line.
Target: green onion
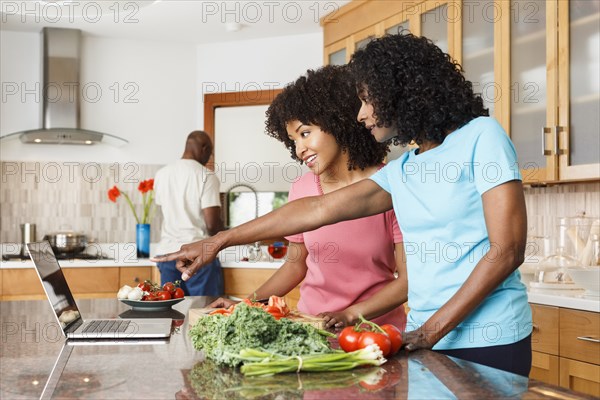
[260, 362]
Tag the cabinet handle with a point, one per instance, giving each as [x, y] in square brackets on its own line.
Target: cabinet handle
[535, 327]
[589, 339]
[558, 150]
[545, 130]
[552, 130]
[136, 279]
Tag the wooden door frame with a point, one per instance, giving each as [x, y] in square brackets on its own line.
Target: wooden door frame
[213, 101]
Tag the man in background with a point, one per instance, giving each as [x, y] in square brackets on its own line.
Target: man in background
[188, 194]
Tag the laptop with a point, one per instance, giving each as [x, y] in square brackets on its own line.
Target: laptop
[67, 313]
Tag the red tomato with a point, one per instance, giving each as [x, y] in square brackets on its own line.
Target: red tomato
[145, 286]
[178, 293]
[395, 336]
[163, 295]
[348, 339]
[274, 311]
[380, 339]
[149, 297]
[220, 311]
[169, 287]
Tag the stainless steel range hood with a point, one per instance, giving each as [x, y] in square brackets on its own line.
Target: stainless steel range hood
[61, 94]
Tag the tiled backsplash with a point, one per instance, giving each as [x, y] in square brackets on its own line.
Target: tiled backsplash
[73, 195]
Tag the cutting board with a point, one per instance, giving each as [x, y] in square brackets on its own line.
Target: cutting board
[196, 313]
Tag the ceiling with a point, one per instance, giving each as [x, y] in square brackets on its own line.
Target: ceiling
[182, 21]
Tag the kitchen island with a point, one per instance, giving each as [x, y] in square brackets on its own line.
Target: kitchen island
[33, 351]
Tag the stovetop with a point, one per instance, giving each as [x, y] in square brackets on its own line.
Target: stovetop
[82, 256]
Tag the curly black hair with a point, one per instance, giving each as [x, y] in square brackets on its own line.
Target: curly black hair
[327, 98]
[415, 86]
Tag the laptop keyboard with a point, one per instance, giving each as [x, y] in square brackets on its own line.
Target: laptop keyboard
[110, 326]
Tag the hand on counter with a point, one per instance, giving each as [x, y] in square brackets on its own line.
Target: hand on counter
[415, 340]
[222, 303]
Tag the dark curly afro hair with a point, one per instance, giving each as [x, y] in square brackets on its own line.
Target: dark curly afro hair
[415, 86]
[326, 98]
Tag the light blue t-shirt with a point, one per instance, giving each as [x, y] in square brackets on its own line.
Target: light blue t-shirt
[438, 204]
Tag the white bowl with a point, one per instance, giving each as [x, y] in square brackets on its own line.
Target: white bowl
[587, 278]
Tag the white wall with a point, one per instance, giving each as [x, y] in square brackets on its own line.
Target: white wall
[170, 80]
[260, 64]
[141, 91]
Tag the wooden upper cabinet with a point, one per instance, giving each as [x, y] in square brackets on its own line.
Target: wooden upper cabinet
[554, 88]
[354, 25]
[534, 62]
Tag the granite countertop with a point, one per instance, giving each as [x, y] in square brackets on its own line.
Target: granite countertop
[32, 346]
[113, 255]
[573, 298]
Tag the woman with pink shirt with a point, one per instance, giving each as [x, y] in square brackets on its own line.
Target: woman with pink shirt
[347, 269]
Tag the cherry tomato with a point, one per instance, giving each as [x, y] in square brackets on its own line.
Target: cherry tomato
[380, 339]
[163, 295]
[169, 287]
[395, 336]
[178, 293]
[348, 339]
[149, 297]
[145, 286]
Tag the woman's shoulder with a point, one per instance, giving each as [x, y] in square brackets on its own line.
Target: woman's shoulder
[484, 126]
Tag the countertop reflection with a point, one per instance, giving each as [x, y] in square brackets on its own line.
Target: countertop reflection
[32, 344]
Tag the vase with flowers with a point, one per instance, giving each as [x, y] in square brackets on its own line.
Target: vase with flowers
[143, 224]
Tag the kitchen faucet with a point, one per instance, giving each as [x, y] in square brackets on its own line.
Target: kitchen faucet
[255, 251]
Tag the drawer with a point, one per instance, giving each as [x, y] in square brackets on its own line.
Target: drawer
[580, 377]
[544, 367]
[91, 281]
[133, 275]
[545, 329]
[241, 282]
[580, 335]
[21, 282]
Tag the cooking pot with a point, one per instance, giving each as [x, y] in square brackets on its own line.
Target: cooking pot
[67, 242]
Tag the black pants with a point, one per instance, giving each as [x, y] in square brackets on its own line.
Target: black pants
[515, 357]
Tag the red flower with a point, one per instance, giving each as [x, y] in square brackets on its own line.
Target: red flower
[147, 189]
[113, 194]
[146, 186]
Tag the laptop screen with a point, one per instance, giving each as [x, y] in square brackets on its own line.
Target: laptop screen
[55, 284]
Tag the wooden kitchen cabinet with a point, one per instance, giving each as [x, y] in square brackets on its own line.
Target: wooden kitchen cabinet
[554, 94]
[566, 348]
[580, 335]
[353, 25]
[95, 282]
[241, 282]
[544, 367]
[544, 343]
[580, 376]
[518, 54]
[544, 338]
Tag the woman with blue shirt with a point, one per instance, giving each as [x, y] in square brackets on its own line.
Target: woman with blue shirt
[458, 198]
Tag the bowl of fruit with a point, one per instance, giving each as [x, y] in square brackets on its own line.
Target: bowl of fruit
[150, 296]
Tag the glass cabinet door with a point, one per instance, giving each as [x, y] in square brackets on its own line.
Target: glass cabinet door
[394, 30]
[528, 88]
[579, 89]
[478, 49]
[338, 57]
[434, 26]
